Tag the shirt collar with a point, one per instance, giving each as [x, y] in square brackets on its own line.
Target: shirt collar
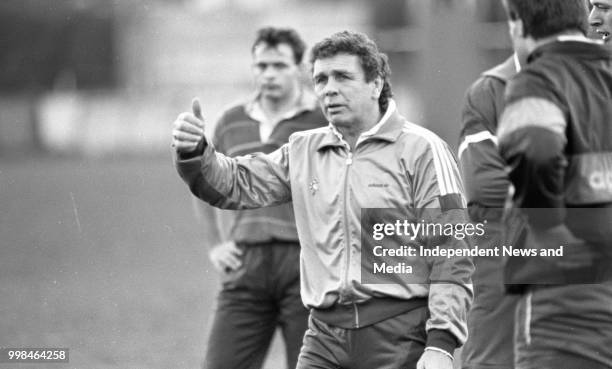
[374, 130]
[306, 102]
[517, 62]
[576, 38]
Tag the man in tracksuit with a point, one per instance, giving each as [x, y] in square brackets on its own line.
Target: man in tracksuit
[491, 318]
[368, 157]
[556, 137]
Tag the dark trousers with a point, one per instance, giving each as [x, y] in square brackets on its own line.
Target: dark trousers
[255, 299]
[491, 319]
[394, 343]
[564, 327]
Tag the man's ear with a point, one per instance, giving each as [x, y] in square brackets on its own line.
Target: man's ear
[378, 86]
[303, 68]
[516, 29]
[305, 74]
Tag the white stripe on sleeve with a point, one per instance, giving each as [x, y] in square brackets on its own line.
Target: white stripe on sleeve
[475, 138]
[445, 166]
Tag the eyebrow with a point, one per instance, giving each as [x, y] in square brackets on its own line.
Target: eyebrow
[266, 63]
[335, 72]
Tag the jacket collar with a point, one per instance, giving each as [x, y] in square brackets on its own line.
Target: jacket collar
[387, 129]
[505, 70]
[577, 45]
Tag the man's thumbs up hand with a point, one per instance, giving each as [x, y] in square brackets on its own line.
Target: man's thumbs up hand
[188, 129]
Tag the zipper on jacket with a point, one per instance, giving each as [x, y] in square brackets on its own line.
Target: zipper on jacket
[527, 327]
[349, 161]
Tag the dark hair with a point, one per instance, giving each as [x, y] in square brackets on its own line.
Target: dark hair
[373, 62]
[543, 18]
[273, 36]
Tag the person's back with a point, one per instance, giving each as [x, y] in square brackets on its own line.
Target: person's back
[555, 134]
[577, 78]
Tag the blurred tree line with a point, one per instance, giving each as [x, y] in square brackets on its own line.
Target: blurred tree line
[58, 43]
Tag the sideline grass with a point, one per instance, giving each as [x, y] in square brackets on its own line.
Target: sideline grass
[104, 257]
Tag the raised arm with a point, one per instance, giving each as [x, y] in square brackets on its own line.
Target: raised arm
[246, 182]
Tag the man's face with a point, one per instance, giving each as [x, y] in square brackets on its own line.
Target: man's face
[344, 94]
[276, 73]
[600, 18]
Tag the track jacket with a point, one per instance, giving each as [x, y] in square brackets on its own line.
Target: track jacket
[483, 169]
[491, 319]
[395, 165]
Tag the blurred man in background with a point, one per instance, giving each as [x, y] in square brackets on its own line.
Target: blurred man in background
[556, 137]
[600, 19]
[491, 318]
[258, 257]
[367, 157]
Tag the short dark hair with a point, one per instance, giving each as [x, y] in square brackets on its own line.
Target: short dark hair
[273, 36]
[543, 18]
[373, 62]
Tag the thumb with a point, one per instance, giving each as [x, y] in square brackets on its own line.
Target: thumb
[196, 108]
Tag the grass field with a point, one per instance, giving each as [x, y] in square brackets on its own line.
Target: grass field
[105, 258]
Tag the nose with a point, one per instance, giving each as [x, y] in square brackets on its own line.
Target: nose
[269, 72]
[330, 88]
[594, 19]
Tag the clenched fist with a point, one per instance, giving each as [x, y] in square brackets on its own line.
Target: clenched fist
[188, 129]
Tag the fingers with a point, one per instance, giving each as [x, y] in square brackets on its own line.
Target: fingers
[226, 256]
[226, 263]
[234, 248]
[231, 262]
[185, 136]
[184, 147]
[189, 117]
[434, 359]
[189, 122]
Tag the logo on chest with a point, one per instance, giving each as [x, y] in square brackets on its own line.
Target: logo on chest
[313, 187]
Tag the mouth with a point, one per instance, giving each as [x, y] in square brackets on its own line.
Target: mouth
[605, 35]
[270, 86]
[333, 108]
